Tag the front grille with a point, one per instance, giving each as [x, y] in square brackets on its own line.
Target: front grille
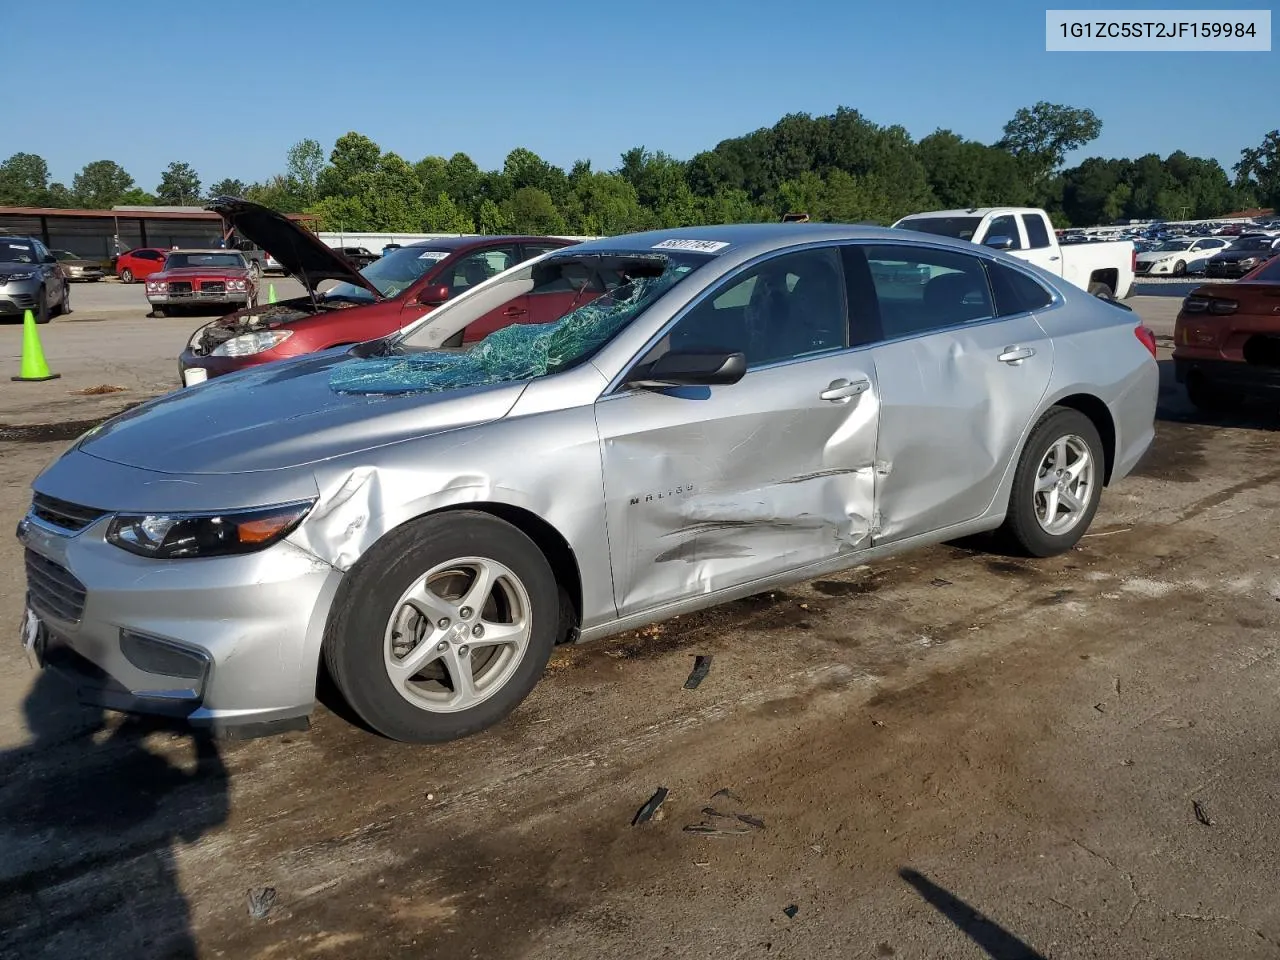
[60, 513]
[213, 286]
[52, 590]
[179, 287]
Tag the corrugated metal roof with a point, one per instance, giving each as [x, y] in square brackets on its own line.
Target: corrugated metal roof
[132, 213]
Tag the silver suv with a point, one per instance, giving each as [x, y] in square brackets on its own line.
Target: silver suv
[31, 279]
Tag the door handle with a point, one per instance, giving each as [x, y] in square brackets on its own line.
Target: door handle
[1016, 354]
[514, 312]
[841, 391]
[1055, 258]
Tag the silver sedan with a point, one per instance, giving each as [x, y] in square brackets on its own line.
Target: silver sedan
[718, 411]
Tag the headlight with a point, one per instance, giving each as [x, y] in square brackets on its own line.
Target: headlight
[1249, 263]
[248, 344]
[235, 285]
[157, 286]
[185, 535]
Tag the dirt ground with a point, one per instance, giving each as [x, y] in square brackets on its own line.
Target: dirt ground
[953, 754]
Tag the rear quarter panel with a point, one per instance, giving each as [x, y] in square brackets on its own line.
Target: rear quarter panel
[1098, 355]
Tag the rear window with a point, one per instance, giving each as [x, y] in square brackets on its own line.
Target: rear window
[177, 261]
[959, 228]
[1016, 292]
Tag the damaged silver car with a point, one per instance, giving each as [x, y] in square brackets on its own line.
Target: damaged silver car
[720, 411]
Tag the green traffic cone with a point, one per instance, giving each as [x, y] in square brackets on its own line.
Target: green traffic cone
[34, 366]
[271, 293]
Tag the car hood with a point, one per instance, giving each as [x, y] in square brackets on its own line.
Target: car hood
[281, 415]
[1231, 256]
[298, 251]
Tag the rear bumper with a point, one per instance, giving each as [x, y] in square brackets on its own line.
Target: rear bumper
[1233, 374]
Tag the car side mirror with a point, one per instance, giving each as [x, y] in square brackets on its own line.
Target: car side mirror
[434, 295]
[999, 242]
[691, 369]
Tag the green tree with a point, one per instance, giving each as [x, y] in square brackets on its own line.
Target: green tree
[179, 185]
[531, 210]
[491, 219]
[303, 164]
[1042, 135]
[228, 187]
[24, 181]
[1258, 170]
[445, 216]
[136, 197]
[100, 184]
[353, 155]
[464, 182]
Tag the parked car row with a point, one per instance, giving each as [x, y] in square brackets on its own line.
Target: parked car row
[539, 442]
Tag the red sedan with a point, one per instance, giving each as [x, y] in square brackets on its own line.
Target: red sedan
[393, 291]
[140, 263]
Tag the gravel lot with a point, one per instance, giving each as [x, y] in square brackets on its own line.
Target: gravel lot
[954, 754]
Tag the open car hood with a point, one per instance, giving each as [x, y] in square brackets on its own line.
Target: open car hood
[299, 251]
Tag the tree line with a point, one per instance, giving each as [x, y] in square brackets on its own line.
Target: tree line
[841, 167]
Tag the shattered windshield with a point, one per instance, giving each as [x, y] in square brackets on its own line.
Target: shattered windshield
[394, 273]
[630, 284]
[960, 228]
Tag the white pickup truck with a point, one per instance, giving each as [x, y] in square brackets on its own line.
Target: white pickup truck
[1105, 269]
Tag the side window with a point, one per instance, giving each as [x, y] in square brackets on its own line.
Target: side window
[1015, 292]
[919, 289]
[786, 307]
[477, 268]
[1037, 232]
[532, 250]
[1006, 226]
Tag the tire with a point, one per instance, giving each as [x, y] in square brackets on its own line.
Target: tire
[126, 275]
[1061, 428]
[159, 313]
[42, 307]
[1101, 290]
[371, 613]
[255, 270]
[1180, 269]
[64, 308]
[1210, 398]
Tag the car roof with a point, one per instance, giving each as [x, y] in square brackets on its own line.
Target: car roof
[464, 243]
[752, 239]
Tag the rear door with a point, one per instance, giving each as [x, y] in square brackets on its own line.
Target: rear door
[961, 364]
[709, 488]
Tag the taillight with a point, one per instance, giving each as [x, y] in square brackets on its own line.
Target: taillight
[1133, 259]
[1147, 337]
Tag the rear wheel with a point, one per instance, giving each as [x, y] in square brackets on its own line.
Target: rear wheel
[1101, 290]
[444, 628]
[1057, 485]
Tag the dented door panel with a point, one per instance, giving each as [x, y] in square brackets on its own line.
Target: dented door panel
[952, 417]
[708, 488]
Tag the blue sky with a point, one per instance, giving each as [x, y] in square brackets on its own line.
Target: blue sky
[228, 87]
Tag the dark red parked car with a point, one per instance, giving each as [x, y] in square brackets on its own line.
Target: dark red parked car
[393, 291]
[140, 263]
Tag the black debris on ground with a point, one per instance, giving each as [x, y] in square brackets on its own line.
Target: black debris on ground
[645, 813]
[701, 667]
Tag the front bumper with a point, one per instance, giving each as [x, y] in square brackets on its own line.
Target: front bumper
[196, 368]
[227, 643]
[228, 299]
[1229, 269]
[20, 296]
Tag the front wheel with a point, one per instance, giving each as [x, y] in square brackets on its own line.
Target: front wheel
[1058, 484]
[444, 628]
[43, 315]
[126, 275]
[1180, 269]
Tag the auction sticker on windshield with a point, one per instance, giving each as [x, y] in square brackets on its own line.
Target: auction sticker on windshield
[434, 254]
[701, 246]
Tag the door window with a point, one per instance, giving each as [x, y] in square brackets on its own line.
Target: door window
[918, 289]
[786, 307]
[477, 268]
[1037, 233]
[1006, 226]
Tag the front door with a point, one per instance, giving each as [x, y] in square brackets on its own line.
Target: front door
[714, 487]
[962, 364]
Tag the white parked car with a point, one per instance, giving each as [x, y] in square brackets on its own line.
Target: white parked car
[1180, 256]
[1103, 268]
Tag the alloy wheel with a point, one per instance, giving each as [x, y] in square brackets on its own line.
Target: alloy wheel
[1064, 485]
